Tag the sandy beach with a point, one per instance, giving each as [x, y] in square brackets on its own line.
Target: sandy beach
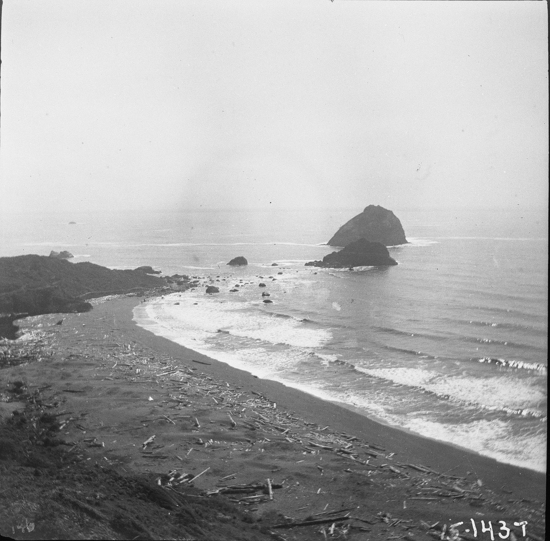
[269, 461]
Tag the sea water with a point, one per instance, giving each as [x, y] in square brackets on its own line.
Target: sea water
[450, 344]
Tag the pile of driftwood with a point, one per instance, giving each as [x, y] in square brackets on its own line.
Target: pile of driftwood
[189, 388]
[32, 346]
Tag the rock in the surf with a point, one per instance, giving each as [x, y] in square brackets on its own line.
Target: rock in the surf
[361, 253]
[375, 224]
[212, 289]
[239, 261]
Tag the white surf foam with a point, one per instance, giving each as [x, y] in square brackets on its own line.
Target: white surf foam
[241, 319]
[501, 392]
[420, 242]
[492, 438]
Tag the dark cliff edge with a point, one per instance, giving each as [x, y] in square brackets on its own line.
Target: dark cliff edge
[361, 253]
[32, 285]
[375, 224]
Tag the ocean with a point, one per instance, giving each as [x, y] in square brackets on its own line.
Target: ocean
[450, 344]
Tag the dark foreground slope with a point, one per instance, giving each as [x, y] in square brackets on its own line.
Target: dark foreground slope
[33, 284]
[54, 489]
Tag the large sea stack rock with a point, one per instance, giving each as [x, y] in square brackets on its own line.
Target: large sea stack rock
[361, 253]
[239, 261]
[376, 224]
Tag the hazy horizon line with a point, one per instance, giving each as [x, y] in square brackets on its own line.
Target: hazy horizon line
[537, 208]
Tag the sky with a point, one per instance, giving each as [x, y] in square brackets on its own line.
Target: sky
[134, 105]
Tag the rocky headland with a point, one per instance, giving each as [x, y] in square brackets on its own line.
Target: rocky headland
[375, 224]
[361, 253]
[33, 284]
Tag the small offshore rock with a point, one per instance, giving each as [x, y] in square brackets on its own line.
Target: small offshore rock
[239, 261]
[212, 289]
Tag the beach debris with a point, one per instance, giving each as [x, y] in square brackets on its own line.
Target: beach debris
[174, 478]
[92, 442]
[201, 473]
[172, 371]
[422, 469]
[394, 470]
[150, 399]
[312, 522]
[247, 488]
[148, 441]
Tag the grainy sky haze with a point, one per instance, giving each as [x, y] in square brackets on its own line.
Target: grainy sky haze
[127, 104]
